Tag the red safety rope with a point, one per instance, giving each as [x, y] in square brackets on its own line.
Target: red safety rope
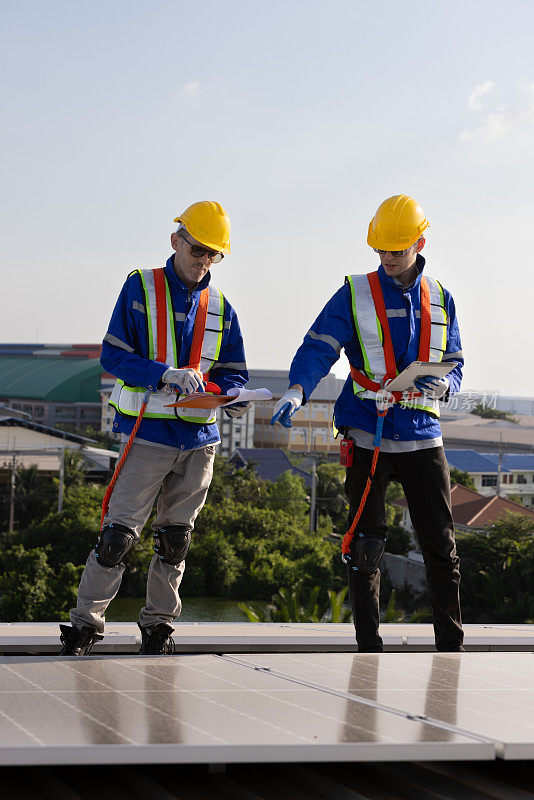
[347, 539]
[120, 463]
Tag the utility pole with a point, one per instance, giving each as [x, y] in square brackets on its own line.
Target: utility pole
[61, 480]
[12, 495]
[313, 498]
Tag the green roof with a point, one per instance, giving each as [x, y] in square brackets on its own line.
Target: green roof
[63, 380]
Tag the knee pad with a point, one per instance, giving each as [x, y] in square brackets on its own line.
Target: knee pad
[114, 542]
[366, 552]
[172, 543]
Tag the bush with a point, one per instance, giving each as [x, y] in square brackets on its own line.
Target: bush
[31, 590]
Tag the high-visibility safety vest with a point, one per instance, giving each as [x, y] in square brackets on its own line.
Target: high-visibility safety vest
[372, 329]
[205, 348]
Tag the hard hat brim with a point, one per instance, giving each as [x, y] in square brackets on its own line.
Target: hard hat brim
[205, 242]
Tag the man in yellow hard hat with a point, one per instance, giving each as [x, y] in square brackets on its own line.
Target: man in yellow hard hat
[385, 320]
[170, 328]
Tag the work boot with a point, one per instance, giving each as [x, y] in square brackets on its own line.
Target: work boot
[78, 641]
[156, 640]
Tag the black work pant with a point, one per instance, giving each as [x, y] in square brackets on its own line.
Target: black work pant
[424, 476]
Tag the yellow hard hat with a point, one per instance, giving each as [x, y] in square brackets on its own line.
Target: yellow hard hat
[208, 223]
[397, 224]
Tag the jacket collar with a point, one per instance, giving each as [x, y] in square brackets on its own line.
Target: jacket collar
[385, 279]
[175, 281]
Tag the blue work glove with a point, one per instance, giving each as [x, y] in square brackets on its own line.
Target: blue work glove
[432, 387]
[237, 409]
[284, 409]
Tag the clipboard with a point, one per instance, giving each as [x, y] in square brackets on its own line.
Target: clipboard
[202, 400]
[404, 382]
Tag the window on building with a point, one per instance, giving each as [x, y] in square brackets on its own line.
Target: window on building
[38, 412]
[505, 478]
[521, 478]
[489, 480]
[67, 412]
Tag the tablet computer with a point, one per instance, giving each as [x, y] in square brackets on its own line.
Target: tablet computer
[418, 369]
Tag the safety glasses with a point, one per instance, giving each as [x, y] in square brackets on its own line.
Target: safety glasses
[199, 252]
[394, 253]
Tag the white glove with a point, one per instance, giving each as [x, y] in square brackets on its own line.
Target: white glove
[186, 380]
[237, 410]
[432, 387]
[290, 402]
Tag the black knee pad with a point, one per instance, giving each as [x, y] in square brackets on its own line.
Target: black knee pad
[172, 543]
[366, 553]
[114, 542]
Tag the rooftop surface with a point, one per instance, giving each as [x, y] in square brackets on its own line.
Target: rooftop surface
[244, 694]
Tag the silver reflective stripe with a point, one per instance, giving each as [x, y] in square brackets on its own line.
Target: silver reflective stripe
[231, 365]
[138, 307]
[396, 312]
[453, 356]
[110, 339]
[179, 317]
[438, 320]
[147, 278]
[227, 325]
[368, 327]
[324, 337]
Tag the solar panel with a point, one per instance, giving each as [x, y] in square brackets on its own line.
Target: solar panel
[490, 695]
[205, 708]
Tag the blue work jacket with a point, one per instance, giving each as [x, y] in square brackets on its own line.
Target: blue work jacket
[125, 355]
[333, 330]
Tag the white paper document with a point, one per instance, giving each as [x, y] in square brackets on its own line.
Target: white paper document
[246, 395]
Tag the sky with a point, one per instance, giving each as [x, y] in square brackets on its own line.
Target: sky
[300, 117]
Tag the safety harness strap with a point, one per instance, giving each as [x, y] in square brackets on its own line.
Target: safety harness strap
[161, 314]
[199, 329]
[426, 321]
[380, 306]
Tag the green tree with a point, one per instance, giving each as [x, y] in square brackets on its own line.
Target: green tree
[331, 497]
[493, 413]
[289, 494]
[461, 477]
[31, 590]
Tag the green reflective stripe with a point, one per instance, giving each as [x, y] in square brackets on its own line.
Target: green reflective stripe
[223, 309]
[170, 318]
[367, 366]
[131, 388]
[149, 316]
[442, 299]
[199, 420]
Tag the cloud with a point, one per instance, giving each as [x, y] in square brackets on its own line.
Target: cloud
[478, 92]
[502, 120]
[190, 89]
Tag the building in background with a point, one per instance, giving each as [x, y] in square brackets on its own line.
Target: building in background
[24, 443]
[472, 511]
[312, 424]
[57, 385]
[507, 475]
[270, 464]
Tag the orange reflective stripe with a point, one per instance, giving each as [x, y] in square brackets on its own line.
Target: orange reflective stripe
[161, 314]
[426, 320]
[380, 307]
[198, 331]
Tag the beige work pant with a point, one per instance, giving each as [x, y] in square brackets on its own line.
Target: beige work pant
[184, 478]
